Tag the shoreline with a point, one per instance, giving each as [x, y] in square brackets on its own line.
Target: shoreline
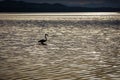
[63, 14]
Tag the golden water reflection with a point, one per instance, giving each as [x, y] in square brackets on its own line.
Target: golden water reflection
[76, 49]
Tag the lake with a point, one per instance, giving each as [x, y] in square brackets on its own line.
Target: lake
[80, 46]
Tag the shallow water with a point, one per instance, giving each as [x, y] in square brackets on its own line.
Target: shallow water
[78, 48]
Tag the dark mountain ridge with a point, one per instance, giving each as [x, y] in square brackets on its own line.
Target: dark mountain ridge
[20, 6]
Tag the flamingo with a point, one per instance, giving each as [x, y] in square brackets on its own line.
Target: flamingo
[42, 41]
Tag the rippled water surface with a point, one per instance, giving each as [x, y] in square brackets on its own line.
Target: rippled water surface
[78, 47]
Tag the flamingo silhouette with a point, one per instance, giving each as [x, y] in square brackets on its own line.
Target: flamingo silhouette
[42, 41]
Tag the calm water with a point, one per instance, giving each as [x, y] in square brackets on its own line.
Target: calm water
[79, 47]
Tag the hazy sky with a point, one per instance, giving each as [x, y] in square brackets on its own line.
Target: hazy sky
[88, 3]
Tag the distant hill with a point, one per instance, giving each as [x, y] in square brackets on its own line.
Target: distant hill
[20, 6]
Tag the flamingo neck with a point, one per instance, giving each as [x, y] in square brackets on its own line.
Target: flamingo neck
[46, 37]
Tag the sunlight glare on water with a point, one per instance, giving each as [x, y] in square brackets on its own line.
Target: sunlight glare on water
[79, 47]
